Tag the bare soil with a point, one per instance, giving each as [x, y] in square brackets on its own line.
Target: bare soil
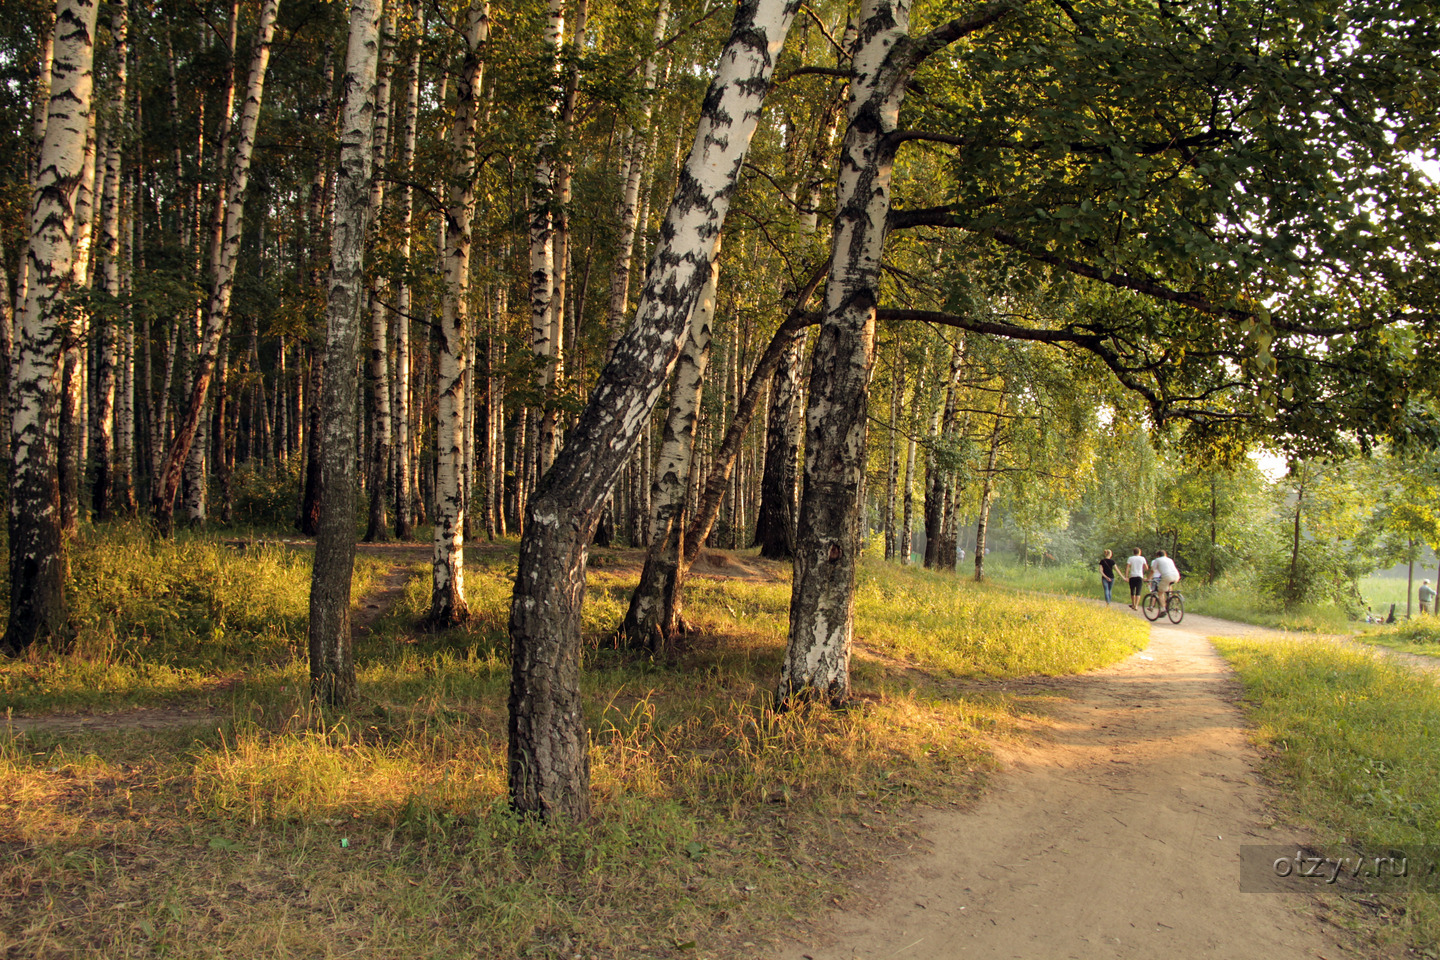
[1116, 835]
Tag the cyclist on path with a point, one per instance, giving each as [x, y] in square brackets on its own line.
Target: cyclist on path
[1164, 571]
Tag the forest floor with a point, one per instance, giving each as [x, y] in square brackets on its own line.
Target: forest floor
[1117, 833]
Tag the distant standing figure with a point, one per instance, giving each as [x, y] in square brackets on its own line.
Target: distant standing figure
[1135, 570]
[1427, 596]
[1107, 574]
[1165, 573]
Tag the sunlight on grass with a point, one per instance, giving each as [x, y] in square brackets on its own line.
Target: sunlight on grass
[391, 817]
[1354, 739]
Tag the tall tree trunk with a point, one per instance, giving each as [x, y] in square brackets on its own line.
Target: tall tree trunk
[987, 486]
[106, 341]
[37, 550]
[817, 652]
[403, 460]
[775, 526]
[447, 597]
[332, 669]
[378, 527]
[634, 174]
[907, 526]
[72, 378]
[718, 471]
[548, 760]
[653, 620]
[218, 309]
[542, 244]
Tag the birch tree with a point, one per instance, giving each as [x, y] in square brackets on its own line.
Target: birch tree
[549, 770]
[544, 331]
[37, 550]
[822, 604]
[222, 285]
[379, 327]
[106, 332]
[402, 312]
[332, 668]
[447, 596]
[653, 618]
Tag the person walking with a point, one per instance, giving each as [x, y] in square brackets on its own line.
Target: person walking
[1135, 567]
[1427, 596]
[1107, 574]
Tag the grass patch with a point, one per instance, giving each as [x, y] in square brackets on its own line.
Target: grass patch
[383, 830]
[1419, 636]
[1353, 740]
[156, 619]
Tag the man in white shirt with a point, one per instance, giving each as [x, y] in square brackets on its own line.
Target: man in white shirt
[1165, 573]
[1135, 570]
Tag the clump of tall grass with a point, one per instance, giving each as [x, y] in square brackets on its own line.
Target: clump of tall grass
[1353, 739]
[154, 617]
[1239, 600]
[959, 627]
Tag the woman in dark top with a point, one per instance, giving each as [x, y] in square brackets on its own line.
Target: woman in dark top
[1107, 574]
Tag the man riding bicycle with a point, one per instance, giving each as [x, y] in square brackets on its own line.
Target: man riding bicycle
[1165, 574]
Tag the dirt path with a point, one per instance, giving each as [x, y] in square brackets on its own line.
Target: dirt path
[1116, 837]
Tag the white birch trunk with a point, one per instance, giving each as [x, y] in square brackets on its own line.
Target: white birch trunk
[822, 604]
[403, 458]
[817, 654]
[653, 618]
[378, 528]
[548, 743]
[72, 379]
[634, 167]
[37, 550]
[542, 242]
[447, 597]
[218, 308]
[332, 669]
[106, 340]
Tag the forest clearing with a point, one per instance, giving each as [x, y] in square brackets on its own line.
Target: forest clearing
[574, 478]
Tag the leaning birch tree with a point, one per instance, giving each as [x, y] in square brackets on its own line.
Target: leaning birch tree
[822, 603]
[549, 767]
[332, 668]
[653, 617]
[37, 548]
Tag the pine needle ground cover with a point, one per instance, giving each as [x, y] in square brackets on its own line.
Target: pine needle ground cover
[1354, 743]
[251, 826]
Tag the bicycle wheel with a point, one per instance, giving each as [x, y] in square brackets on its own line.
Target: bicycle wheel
[1151, 606]
[1175, 609]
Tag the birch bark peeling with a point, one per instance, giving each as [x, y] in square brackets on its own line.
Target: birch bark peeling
[332, 668]
[37, 550]
[549, 767]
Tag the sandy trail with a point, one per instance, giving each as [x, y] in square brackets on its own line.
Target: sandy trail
[1117, 837]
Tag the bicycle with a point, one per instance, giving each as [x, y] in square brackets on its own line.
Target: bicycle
[1173, 607]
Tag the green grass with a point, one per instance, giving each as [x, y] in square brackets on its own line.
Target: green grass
[274, 831]
[1419, 636]
[155, 619]
[1355, 742]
